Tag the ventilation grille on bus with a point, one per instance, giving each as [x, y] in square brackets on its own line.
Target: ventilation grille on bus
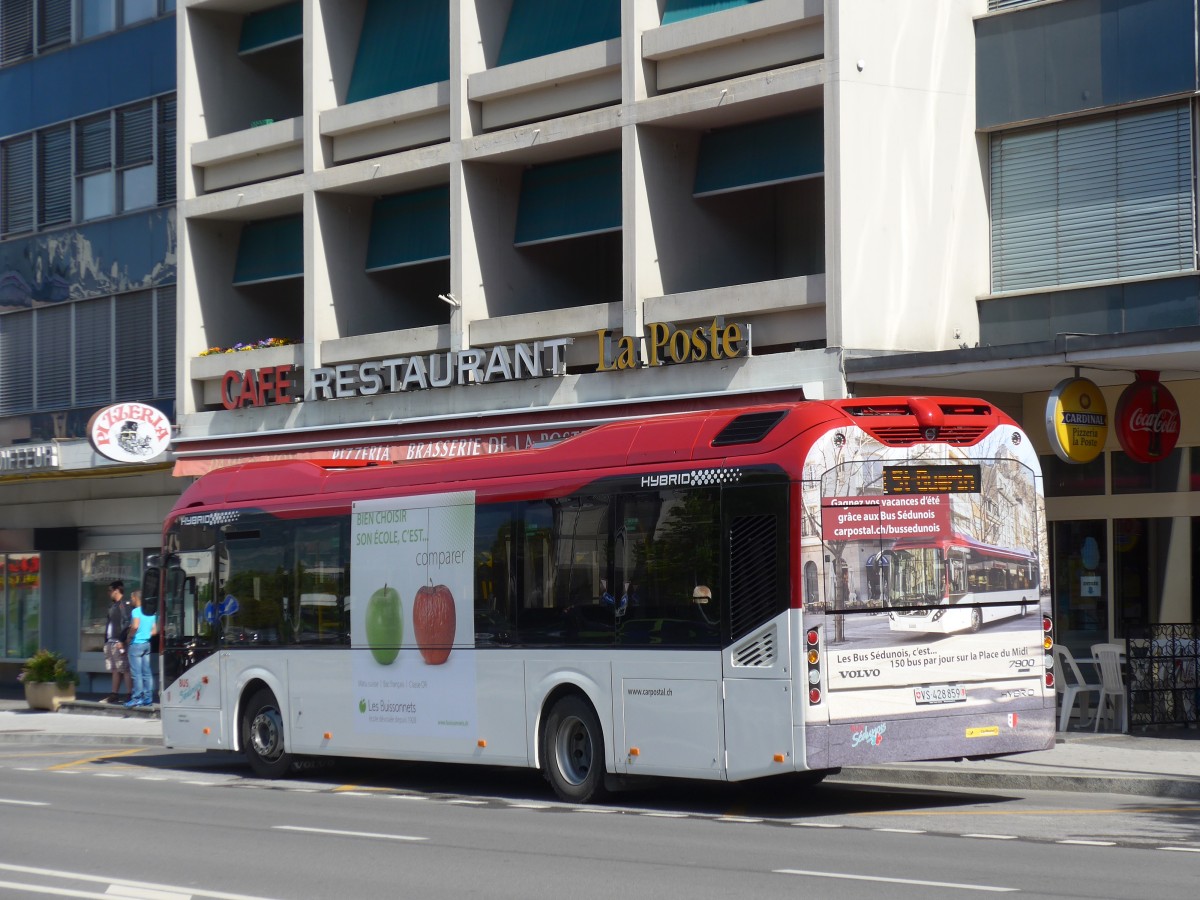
[753, 572]
[905, 435]
[749, 428]
[908, 432]
[757, 653]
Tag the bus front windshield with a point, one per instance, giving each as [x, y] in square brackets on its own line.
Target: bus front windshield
[918, 577]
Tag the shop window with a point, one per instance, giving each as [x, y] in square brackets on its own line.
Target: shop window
[1079, 551]
[96, 571]
[1064, 479]
[1132, 477]
[1140, 550]
[21, 609]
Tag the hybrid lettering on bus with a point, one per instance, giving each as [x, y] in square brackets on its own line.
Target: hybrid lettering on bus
[693, 594]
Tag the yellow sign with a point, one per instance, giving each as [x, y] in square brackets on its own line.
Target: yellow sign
[1076, 420]
[986, 731]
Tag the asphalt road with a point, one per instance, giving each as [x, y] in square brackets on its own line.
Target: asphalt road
[157, 825]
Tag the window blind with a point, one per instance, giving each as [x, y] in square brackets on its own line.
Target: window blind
[16, 363]
[94, 145]
[16, 185]
[52, 376]
[1110, 197]
[54, 23]
[16, 30]
[166, 150]
[135, 135]
[133, 350]
[94, 352]
[54, 176]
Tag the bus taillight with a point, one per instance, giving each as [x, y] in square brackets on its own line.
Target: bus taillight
[813, 639]
[1048, 644]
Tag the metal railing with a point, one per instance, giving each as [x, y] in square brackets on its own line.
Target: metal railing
[1162, 662]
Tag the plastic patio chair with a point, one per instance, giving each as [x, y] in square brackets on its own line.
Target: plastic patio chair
[1112, 684]
[1073, 687]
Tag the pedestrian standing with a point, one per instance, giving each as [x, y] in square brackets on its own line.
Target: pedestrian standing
[116, 658]
[142, 628]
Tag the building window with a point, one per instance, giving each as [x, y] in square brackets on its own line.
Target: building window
[1103, 198]
[33, 27]
[88, 353]
[93, 166]
[16, 185]
[97, 570]
[21, 604]
[118, 161]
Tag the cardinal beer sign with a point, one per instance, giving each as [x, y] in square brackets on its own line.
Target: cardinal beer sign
[1147, 419]
[1076, 420]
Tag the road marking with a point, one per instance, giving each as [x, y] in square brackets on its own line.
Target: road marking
[529, 806]
[1182, 849]
[818, 825]
[109, 774]
[116, 887]
[992, 837]
[944, 884]
[364, 834]
[1083, 843]
[409, 797]
[24, 803]
[116, 754]
[136, 893]
[200, 783]
[152, 778]
[592, 809]
[353, 793]
[665, 815]
[900, 830]
[467, 802]
[740, 820]
[1029, 812]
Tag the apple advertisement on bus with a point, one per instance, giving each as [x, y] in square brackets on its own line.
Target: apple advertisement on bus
[927, 566]
[412, 564]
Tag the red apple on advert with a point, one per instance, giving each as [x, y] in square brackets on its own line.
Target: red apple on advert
[433, 622]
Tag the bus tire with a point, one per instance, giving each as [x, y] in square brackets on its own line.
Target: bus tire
[262, 736]
[573, 750]
[976, 619]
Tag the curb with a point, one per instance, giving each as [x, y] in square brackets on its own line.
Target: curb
[1176, 789]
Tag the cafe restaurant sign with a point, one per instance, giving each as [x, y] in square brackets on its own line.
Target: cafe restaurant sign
[1076, 420]
[663, 344]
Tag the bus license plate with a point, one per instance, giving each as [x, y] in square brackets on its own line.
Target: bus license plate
[940, 693]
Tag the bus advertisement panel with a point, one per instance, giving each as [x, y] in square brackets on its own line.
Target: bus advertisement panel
[413, 565]
[935, 590]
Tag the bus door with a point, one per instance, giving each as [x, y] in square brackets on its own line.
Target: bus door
[190, 674]
[757, 662]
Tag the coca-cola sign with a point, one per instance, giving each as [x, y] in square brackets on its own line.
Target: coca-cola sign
[1147, 419]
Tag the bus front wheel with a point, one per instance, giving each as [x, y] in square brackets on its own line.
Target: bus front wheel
[262, 736]
[976, 619]
[573, 751]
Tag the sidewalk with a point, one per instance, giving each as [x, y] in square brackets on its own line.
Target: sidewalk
[1163, 763]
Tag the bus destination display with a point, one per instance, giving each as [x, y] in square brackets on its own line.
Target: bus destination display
[931, 479]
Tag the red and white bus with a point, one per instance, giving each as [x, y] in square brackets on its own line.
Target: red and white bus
[664, 596]
[957, 584]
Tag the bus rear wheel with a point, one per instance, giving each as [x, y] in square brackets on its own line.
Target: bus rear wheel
[573, 751]
[262, 736]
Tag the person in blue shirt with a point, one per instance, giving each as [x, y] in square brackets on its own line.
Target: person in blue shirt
[142, 627]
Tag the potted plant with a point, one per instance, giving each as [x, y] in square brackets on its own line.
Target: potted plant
[48, 680]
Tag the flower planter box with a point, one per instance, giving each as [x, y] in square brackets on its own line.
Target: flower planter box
[47, 694]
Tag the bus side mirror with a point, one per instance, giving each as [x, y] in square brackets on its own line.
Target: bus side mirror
[151, 590]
